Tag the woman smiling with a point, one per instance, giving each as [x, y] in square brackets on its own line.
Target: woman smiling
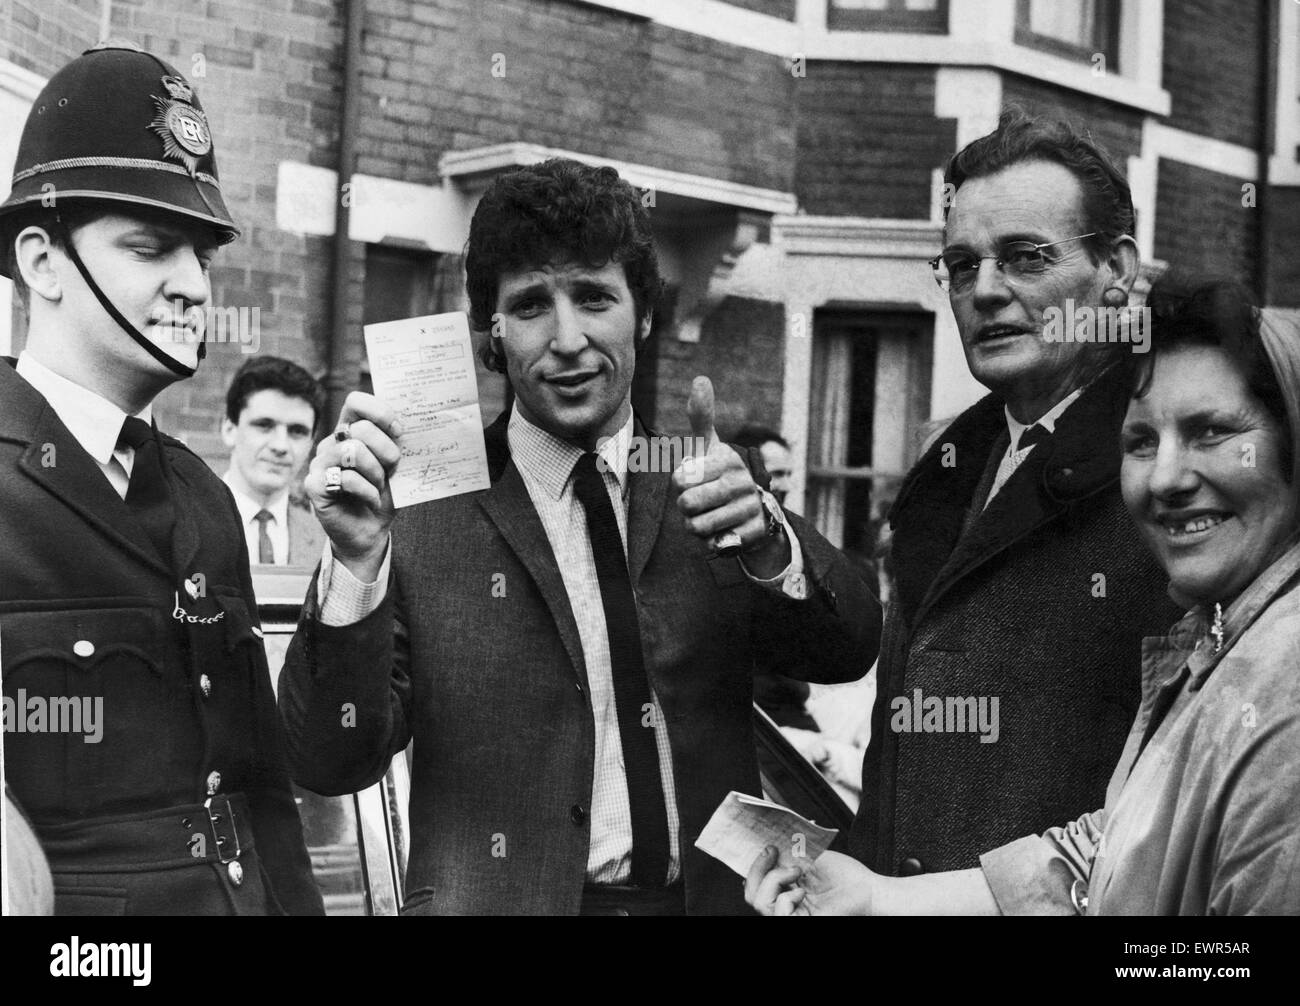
[1201, 815]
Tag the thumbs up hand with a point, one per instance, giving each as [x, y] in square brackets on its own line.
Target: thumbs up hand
[719, 498]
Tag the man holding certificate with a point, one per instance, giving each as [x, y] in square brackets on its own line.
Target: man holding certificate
[572, 648]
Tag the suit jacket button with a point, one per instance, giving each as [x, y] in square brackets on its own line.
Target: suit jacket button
[910, 867]
[205, 685]
[577, 813]
[83, 648]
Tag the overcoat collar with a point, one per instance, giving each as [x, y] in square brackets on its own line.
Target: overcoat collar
[1080, 460]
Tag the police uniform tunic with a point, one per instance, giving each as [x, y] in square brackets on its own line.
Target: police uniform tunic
[141, 735]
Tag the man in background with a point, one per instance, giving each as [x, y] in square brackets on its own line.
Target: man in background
[272, 408]
[776, 455]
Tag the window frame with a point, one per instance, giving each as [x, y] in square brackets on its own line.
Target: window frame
[1109, 19]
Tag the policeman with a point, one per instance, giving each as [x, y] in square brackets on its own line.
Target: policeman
[140, 726]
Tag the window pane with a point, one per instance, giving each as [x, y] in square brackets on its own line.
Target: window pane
[1073, 21]
[925, 16]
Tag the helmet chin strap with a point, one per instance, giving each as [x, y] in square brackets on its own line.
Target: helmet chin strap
[175, 366]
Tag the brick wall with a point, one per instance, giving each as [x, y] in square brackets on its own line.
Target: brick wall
[868, 140]
[1201, 224]
[741, 349]
[461, 74]
[1211, 61]
[41, 35]
[1117, 128]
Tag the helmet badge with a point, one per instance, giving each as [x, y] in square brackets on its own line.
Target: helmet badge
[182, 127]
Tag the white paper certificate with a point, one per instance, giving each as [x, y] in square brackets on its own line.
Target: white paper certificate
[424, 368]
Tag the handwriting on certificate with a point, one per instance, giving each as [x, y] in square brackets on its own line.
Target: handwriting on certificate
[424, 368]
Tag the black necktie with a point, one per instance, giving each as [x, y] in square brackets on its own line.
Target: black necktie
[1030, 436]
[146, 495]
[645, 789]
[265, 553]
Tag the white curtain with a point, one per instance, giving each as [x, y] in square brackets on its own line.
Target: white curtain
[832, 373]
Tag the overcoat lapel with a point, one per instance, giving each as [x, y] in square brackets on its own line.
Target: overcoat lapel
[1080, 459]
[1014, 512]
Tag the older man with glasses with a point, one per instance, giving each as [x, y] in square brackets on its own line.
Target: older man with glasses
[1009, 670]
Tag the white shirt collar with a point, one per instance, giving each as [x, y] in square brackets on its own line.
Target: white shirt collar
[549, 461]
[249, 507]
[94, 422]
[1047, 420]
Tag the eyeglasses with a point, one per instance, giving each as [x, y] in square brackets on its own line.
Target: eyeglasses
[1019, 261]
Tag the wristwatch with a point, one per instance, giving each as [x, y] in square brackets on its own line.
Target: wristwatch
[772, 512]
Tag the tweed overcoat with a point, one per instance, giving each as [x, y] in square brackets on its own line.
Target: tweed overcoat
[1041, 604]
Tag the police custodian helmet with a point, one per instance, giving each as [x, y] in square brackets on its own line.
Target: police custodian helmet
[118, 125]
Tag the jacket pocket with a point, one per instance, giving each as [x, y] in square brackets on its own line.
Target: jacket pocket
[101, 901]
[94, 712]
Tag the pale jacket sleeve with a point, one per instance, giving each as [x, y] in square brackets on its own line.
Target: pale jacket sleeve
[1034, 875]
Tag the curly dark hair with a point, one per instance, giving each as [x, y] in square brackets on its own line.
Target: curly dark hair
[262, 373]
[557, 211]
[1107, 201]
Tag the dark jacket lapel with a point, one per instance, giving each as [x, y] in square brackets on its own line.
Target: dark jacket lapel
[511, 509]
[185, 532]
[73, 477]
[648, 493]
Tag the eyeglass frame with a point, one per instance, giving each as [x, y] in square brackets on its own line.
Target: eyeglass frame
[934, 262]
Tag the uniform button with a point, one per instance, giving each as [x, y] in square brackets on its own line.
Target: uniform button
[205, 685]
[235, 872]
[83, 648]
[214, 783]
[910, 867]
[577, 813]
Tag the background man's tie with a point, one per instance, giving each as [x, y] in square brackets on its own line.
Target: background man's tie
[265, 553]
[147, 493]
[631, 689]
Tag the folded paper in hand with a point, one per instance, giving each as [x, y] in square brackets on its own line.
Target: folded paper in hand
[743, 826]
[424, 368]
